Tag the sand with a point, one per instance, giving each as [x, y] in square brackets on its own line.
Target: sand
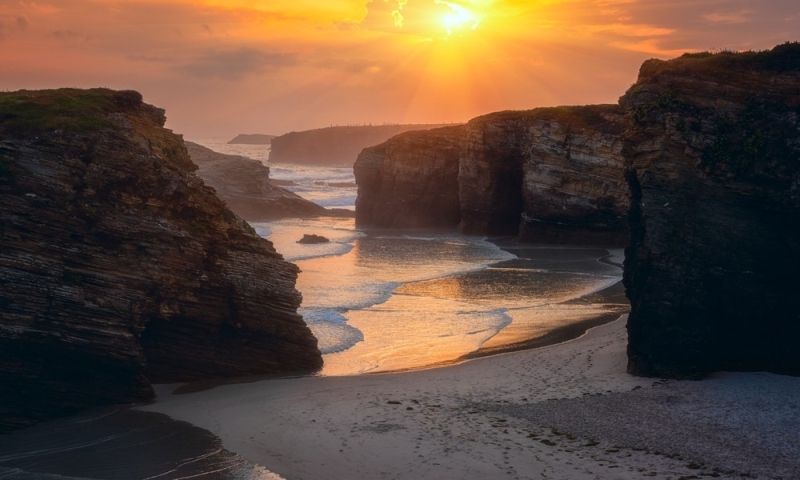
[562, 411]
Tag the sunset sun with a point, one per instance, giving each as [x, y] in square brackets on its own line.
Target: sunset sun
[459, 18]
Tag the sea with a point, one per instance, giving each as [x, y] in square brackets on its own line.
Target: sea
[387, 300]
[377, 300]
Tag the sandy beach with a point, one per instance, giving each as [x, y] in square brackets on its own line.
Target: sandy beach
[563, 411]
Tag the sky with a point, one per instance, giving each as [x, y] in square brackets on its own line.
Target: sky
[222, 67]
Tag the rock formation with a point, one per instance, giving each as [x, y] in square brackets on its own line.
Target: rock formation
[313, 239]
[547, 175]
[411, 180]
[119, 268]
[334, 146]
[705, 165]
[713, 152]
[245, 186]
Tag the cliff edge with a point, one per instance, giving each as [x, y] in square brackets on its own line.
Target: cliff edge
[713, 160]
[119, 267]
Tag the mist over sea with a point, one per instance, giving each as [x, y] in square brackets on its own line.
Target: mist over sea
[386, 300]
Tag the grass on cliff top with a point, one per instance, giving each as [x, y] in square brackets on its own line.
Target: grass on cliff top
[784, 58]
[583, 116]
[32, 111]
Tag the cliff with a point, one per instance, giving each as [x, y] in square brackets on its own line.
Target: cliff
[411, 180]
[335, 146]
[713, 156]
[252, 139]
[119, 267]
[549, 175]
[244, 185]
[697, 170]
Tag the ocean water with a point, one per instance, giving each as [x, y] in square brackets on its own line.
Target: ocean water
[386, 300]
[331, 187]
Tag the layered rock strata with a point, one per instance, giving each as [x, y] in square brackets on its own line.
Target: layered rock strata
[119, 267]
[549, 175]
[411, 181]
[713, 158]
[245, 186]
[706, 165]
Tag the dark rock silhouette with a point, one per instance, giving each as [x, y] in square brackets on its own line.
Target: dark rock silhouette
[311, 239]
[411, 180]
[713, 159]
[119, 267]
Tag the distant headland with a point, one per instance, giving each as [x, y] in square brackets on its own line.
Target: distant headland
[335, 145]
[251, 139]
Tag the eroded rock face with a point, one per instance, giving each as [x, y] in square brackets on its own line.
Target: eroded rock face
[245, 186]
[490, 174]
[551, 175]
[411, 180]
[119, 268]
[713, 152]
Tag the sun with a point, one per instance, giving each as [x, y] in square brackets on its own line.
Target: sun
[459, 18]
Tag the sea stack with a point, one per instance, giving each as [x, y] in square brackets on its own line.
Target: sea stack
[119, 268]
[548, 175]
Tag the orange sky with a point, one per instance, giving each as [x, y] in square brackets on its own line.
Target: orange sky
[221, 67]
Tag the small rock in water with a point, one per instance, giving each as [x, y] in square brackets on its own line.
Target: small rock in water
[313, 239]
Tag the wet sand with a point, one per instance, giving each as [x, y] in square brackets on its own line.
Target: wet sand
[120, 443]
[563, 411]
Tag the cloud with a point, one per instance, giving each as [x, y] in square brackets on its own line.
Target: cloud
[236, 64]
[68, 35]
[729, 18]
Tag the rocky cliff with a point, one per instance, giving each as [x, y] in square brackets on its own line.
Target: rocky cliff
[119, 268]
[411, 180]
[336, 146]
[700, 162]
[713, 157]
[547, 175]
[244, 185]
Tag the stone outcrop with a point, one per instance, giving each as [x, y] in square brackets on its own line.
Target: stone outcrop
[411, 181]
[245, 186]
[333, 146]
[119, 267]
[703, 158]
[713, 152]
[549, 175]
